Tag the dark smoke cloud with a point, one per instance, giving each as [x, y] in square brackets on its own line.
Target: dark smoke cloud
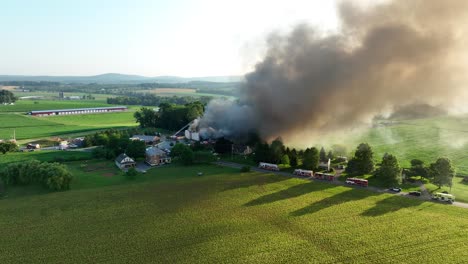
[384, 56]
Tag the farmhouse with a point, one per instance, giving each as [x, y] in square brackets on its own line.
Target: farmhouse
[124, 162]
[77, 111]
[156, 156]
[149, 140]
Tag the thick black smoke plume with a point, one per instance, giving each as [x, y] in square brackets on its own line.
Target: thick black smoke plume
[384, 57]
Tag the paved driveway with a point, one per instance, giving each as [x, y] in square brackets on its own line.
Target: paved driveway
[142, 166]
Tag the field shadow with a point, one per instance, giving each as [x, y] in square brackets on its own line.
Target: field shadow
[291, 192]
[391, 204]
[257, 180]
[343, 197]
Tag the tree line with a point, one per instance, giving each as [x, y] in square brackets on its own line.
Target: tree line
[7, 97]
[154, 100]
[114, 142]
[276, 152]
[440, 172]
[169, 116]
[52, 176]
[29, 83]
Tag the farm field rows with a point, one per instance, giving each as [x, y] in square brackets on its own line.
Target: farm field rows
[42, 155]
[28, 127]
[174, 216]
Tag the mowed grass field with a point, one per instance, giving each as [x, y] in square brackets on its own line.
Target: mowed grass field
[424, 139]
[28, 127]
[171, 215]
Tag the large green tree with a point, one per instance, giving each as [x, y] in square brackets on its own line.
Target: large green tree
[293, 158]
[277, 150]
[362, 162]
[323, 154]
[389, 171]
[136, 149]
[285, 160]
[441, 172]
[311, 158]
[183, 152]
[7, 97]
[146, 117]
[418, 169]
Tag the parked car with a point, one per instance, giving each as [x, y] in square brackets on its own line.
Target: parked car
[415, 193]
[395, 189]
[349, 182]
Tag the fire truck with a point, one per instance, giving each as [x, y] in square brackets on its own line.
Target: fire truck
[324, 176]
[443, 197]
[268, 166]
[357, 181]
[304, 173]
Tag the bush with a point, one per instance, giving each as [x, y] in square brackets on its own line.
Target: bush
[131, 174]
[245, 169]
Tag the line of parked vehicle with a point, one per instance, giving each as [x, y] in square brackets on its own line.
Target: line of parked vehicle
[442, 197]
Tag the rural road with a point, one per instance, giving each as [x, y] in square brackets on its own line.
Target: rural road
[425, 195]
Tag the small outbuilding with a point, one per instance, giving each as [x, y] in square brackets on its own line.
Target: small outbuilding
[156, 156]
[124, 162]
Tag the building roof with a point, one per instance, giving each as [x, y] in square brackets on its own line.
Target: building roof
[78, 109]
[121, 157]
[154, 151]
[145, 138]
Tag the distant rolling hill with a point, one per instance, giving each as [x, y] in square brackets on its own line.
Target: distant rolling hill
[119, 78]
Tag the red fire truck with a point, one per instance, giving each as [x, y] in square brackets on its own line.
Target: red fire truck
[304, 173]
[324, 176]
[357, 181]
[268, 166]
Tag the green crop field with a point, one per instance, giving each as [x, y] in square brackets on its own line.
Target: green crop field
[170, 215]
[28, 127]
[42, 155]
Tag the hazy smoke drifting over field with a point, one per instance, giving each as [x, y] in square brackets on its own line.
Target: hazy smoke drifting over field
[385, 56]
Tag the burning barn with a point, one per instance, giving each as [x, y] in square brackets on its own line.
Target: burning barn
[192, 135]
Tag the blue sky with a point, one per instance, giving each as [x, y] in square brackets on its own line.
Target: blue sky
[180, 37]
